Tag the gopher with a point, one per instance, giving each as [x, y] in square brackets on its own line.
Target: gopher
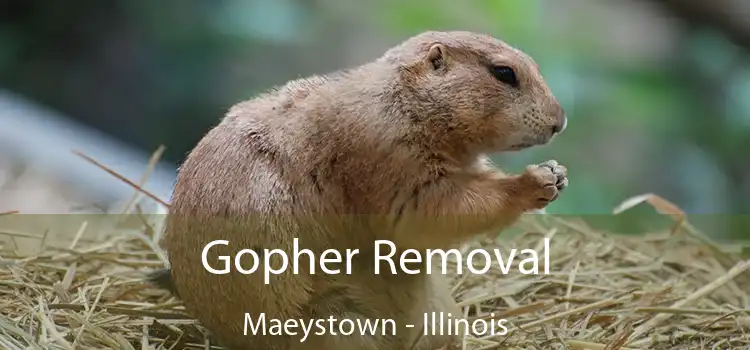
[395, 149]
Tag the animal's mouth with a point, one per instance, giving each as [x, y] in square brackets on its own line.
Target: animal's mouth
[520, 146]
[529, 142]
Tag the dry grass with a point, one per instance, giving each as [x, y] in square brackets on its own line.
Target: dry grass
[668, 290]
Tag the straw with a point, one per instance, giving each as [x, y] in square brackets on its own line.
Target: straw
[672, 289]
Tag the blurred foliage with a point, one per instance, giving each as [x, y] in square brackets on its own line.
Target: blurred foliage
[154, 73]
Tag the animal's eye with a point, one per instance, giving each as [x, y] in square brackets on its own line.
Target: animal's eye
[505, 74]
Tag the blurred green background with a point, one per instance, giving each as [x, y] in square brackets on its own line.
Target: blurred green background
[657, 92]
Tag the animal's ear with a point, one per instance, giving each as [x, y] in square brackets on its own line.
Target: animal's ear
[437, 56]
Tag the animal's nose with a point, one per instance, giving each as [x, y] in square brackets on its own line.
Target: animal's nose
[561, 125]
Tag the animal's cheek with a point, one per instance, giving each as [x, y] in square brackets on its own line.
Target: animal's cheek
[518, 121]
[530, 119]
[490, 103]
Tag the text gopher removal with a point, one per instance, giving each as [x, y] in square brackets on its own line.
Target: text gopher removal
[477, 261]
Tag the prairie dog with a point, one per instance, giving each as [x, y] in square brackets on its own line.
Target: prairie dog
[395, 149]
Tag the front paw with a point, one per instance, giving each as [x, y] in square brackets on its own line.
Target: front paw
[543, 183]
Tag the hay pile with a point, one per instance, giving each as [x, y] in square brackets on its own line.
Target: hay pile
[667, 290]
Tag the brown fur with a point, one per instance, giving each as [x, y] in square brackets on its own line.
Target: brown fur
[394, 149]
